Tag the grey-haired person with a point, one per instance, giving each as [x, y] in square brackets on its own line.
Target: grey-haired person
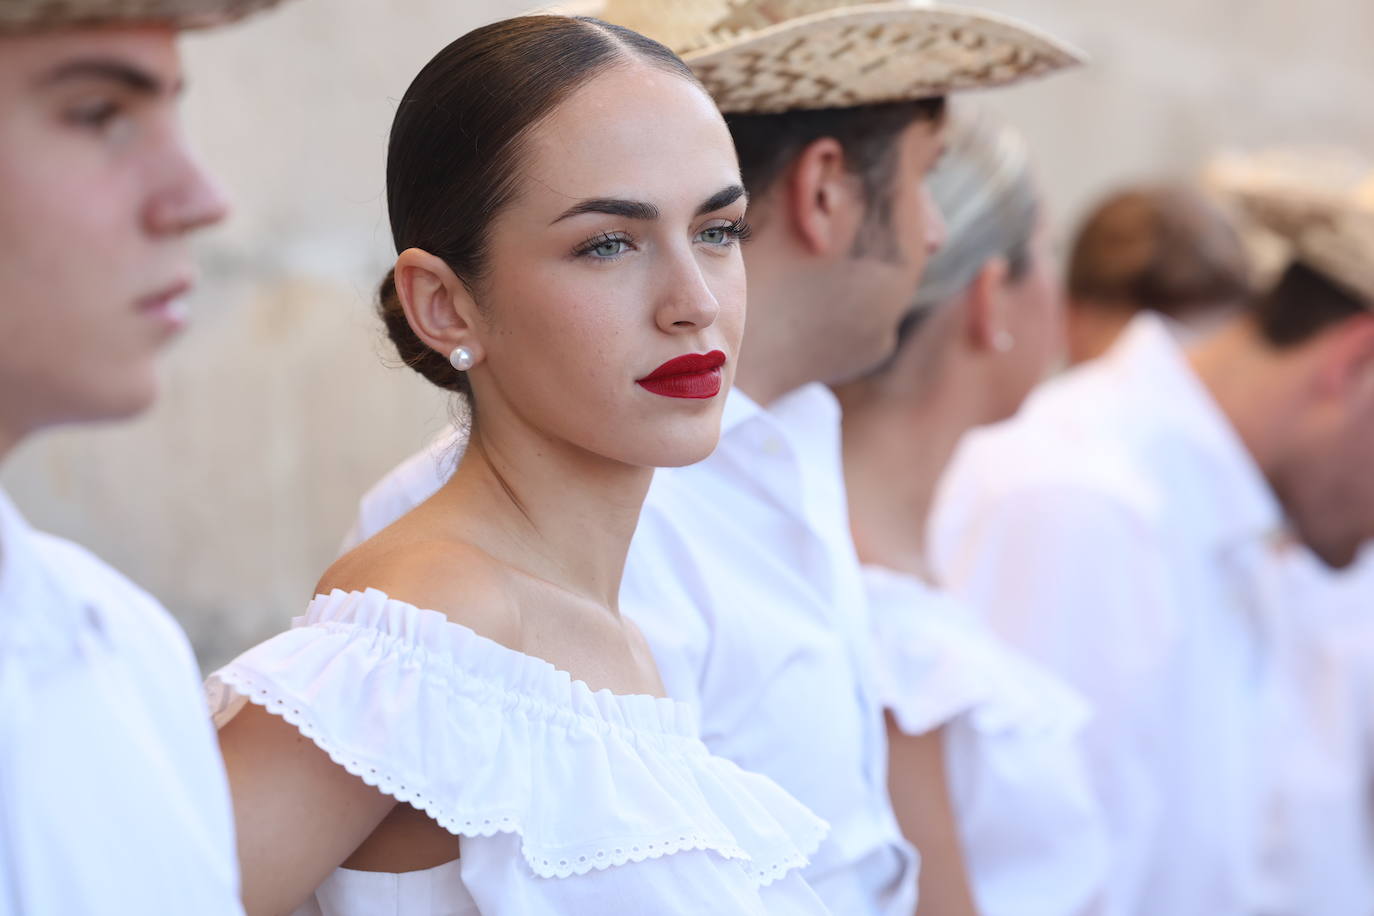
[112, 793]
[985, 328]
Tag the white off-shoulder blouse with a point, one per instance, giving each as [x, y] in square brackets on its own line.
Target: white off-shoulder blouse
[568, 800]
[1033, 835]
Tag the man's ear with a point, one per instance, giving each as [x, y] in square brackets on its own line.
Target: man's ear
[825, 201]
[1346, 359]
[437, 303]
[989, 327]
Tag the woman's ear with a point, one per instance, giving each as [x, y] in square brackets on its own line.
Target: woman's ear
[989, 326]
[825, 202]
[437, 303]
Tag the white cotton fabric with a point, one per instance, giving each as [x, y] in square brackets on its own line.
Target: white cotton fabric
[113, 798]
[1033, 836]
[1119, 532]
[743, 576]
[568, 800]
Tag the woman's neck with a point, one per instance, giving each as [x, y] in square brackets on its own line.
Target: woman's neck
[896, 448]
[549, 509]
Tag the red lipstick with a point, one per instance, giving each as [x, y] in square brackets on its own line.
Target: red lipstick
[695, 375]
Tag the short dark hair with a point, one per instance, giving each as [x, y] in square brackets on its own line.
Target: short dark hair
[1302, 304]
[768, 143]
[454, 158]
[1165, 248]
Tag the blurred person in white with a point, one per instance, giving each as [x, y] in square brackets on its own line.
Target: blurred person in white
[112, 795]
[742, 572]
[462, 721]
[1134, 529]
[985, 328]
[1164, 248]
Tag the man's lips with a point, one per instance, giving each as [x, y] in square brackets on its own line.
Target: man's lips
[695, 375]
[167, 306]
[169, 293]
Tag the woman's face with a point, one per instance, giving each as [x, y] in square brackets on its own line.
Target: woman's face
[1035, 320]
[619, 255]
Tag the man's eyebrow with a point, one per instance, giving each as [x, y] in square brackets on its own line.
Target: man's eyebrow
[115, 71]
[638, 209]
[721, 199]
[613, 206]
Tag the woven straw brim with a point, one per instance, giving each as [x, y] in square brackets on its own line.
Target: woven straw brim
[1336, 241]
[46, 15]
[846, 55]
[1314, 203]
[865, 55]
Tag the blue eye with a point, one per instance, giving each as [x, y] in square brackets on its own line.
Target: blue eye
[610, 248]
[725, 235]
[604, 247]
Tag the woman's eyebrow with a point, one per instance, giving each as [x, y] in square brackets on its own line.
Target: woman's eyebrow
[639, 210]
[722, 198]
[613, 206]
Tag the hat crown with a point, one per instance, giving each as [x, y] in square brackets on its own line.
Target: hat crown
[682, 25]
[1319, 203]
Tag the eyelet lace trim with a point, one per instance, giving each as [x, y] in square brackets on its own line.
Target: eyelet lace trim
[761, 873]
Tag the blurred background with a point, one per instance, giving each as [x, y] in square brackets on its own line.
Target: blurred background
[283, 404]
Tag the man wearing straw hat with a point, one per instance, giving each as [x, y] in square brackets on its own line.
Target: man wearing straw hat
[742, 574]
[112, 793]
[1143, 528]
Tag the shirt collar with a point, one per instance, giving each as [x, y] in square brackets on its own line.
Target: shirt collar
[803, 412]
[1242, 504]
[38, 609]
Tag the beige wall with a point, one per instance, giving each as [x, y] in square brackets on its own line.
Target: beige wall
[229, 499]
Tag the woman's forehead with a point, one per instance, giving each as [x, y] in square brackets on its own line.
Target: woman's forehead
[632, 130]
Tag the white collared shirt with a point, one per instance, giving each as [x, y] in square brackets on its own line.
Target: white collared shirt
[743, 577]
[1119, 532]
[113, 798]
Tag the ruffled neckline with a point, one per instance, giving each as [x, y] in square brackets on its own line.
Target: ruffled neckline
[486, 739]
[455, 646]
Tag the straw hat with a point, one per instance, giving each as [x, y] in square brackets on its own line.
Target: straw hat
[43, 15]
[1318, 203]
[763, 56]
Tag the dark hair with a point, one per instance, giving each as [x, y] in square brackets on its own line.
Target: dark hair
[453, 162]
[1301, 304]
[1164, 248]
[768, 143]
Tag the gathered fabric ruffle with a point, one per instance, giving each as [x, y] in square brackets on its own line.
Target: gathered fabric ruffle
[936, 662]
[487, 740]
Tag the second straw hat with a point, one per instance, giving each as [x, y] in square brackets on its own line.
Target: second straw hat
[764, 56]
[1319, 203]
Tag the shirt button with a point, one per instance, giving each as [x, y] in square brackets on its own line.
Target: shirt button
[772, 446]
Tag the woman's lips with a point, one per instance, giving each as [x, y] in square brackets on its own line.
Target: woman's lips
[696, 375]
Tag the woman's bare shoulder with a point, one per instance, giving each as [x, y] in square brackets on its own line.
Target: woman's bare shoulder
[454, 577]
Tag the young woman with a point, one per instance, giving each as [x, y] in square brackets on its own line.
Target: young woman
[986, 327]
[462, 722]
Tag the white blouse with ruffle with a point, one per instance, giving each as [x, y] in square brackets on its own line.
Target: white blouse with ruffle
[568, 800]
[1033, 835]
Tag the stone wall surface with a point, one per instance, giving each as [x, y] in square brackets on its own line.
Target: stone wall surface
[280, 405]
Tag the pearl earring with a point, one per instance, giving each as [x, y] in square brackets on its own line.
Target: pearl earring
[461, 359]
[1002, 342]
